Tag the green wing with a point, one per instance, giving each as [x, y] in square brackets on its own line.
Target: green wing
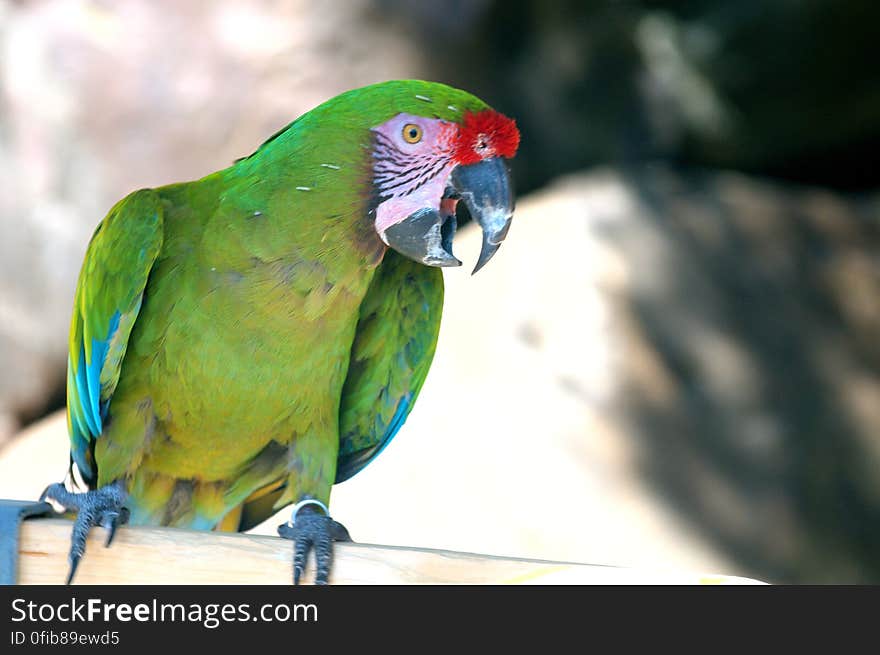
[392, 351]
[107, 301]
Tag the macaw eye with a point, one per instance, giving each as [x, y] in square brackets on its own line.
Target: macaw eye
[412, 133]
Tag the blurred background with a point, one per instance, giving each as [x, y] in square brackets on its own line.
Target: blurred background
[674, 360]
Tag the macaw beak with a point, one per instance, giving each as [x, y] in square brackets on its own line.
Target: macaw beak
[485, 188]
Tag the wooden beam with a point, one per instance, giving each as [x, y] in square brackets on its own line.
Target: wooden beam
[148, 555]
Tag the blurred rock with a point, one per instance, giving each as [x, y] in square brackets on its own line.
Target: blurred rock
[658, 369]
[100, 98]
[753, 369]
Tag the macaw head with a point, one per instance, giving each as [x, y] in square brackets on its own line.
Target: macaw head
[402, 153]
[424, 165]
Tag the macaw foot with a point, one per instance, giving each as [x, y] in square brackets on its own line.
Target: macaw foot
[310, 528]
[98, 507]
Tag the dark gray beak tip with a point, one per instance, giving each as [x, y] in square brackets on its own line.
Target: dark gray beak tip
[486, 253]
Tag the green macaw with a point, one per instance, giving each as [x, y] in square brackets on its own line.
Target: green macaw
[244, 341]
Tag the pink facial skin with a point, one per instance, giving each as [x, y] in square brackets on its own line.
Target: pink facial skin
[411, 176]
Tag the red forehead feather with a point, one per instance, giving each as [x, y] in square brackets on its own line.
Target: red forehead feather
[496, 133]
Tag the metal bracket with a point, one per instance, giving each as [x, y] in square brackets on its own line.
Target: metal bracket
[12, 513]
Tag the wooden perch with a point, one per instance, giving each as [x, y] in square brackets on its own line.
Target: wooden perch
[147, 555]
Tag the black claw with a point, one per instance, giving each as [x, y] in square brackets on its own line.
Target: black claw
[117, 519]
[73, 564]
[98, 507]
[317, 531]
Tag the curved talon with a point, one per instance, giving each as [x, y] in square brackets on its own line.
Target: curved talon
[119, 518]
[72, 572]
[312, 530]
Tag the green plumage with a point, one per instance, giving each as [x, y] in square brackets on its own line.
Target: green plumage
[237, 339]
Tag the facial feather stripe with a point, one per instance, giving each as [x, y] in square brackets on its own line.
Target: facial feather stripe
[398, 174]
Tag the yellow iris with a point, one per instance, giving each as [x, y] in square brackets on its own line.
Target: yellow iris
[412, 133]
